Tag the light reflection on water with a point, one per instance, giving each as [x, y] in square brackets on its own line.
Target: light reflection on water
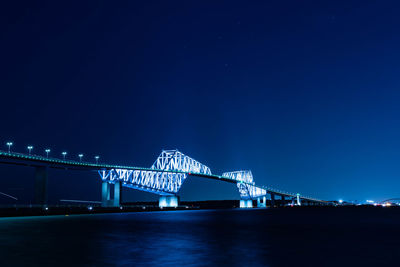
[302, 237]
[189, 238]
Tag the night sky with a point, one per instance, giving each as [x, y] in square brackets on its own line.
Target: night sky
[304, 93]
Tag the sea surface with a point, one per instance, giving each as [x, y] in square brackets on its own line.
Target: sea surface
[255, 237]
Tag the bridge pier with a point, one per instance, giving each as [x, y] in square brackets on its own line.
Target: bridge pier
[272, 200]
[246, 203]
[168, 201]
[106, 200]
[40, 197]
[298, 200]
[117, 194]
[262, 202]
[283, 200]
[105, 193]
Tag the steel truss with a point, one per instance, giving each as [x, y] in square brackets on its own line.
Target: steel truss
[247, 191]
[240, 176]
[246, 184]
[158, 182]
[177, 161]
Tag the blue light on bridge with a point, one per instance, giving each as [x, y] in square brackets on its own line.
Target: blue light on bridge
[165, 177]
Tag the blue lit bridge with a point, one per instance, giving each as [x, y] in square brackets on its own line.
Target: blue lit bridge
[164, 178]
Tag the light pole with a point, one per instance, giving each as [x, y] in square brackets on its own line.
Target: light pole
[97, 159]
[47, 152]
[80, 157]
[64, 154]
[29, 149]
[9, 144]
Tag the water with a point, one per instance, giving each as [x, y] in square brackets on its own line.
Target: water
[282, 237]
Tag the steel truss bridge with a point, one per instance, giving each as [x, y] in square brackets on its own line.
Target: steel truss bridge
[164, 178]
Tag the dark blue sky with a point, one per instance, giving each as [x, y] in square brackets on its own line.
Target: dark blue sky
[304, 93]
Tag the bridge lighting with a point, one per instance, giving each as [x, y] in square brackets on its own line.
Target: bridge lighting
[9, 144]
[47, 152]
[64, 154]
[97, 159]
[29, 149]
[340, 201]
[80, 157]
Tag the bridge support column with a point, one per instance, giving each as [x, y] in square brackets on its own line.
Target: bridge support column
[117, 194]
[168, 201]
[246, 203]
[262, 202]
[40, 186]
[283, 200]
[105, 194]
[298, 200]
[272, 200]
[106, 200]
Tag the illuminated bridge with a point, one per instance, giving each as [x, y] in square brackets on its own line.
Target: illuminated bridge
[164, 178]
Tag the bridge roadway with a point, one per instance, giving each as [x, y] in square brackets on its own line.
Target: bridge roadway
[41, 164]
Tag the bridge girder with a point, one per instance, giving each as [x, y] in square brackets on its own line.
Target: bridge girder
[158, 182]
[176, 161]
[246, 184]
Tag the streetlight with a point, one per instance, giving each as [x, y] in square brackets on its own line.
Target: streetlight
[9, 144]
[80, 157]
[97, 159]
[47, 152]
[64, 154]
[29, 149]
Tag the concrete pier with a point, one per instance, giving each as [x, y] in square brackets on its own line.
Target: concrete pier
[283, 201]
[105, 193]
[262, 202]
[106, 200]
[40, 186]
[246, 203]
[168, 201]
[117, 194]
[272, 200]
[298, 200]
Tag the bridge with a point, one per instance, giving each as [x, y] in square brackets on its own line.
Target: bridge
[164, 178]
